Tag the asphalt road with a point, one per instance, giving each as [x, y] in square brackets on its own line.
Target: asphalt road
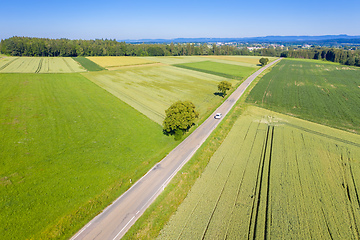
[114, 221]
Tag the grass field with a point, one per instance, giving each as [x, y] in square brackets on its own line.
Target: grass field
[275, 177]
[252, 61]
[113, 63]
[326, 93]
[152, 89]
[220, 69]
[39, 65]
[67, 149]
[88, 64]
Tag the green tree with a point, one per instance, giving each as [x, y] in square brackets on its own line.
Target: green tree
[180, 116]
[223, 87]
[263, 61]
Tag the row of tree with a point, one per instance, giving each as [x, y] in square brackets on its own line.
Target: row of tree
[25, 46]
[346, 57]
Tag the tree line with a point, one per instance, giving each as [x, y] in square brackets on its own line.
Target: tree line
[45, 47]
[346, 57]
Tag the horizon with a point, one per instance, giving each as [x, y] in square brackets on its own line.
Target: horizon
[235, 38]
[170, 20]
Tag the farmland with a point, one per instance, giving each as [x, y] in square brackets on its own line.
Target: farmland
[152, 89]
[68, 148]
[275, 177]
[39, 65]
[325, 93]
[113, 63]
[220, 69]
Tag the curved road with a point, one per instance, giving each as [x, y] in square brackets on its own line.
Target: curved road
[113, 222]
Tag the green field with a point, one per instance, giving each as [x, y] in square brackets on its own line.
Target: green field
[152, 89]
[68, 148]
[220, 69]
[275, 177]
[39, 65]
[326, 93]
[88, 64]
[248, 61]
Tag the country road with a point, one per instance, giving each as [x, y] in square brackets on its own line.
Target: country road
[113, 222]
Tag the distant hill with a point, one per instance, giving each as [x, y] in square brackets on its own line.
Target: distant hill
[330, 39]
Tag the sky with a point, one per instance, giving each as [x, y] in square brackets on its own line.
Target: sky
[159, 19]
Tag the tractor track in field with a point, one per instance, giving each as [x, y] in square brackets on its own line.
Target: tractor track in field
[197, 204]
[39, 66]
[217, 201]
[68, 65]
[242, 180]
[267, 209]
[265, 162]
[7, 64]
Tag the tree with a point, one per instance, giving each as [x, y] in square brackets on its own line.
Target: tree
[263, 61]
[223, 87]
[180, 116]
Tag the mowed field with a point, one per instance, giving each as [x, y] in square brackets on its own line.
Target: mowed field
[67, 149]
[246, 60]
[39, 65]
[275, 177]
[152, 89]
[221, 69]
[326, 93]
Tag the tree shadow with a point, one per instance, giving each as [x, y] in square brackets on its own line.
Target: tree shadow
[219, 94]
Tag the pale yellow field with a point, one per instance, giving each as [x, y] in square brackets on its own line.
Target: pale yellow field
[39, 65]
[116, 62]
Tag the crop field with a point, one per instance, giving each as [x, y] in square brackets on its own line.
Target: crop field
[275, 177]
[113, 63]
[220, 69]
[67, 149]
[39, 65]
[152, 89]
[170, 60]
[326, 93]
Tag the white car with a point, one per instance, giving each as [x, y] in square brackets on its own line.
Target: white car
[218, 116]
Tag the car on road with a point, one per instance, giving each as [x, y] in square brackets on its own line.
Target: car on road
[218, 116]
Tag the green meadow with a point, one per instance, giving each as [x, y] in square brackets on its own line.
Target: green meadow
[326, 93]
[68, 149]
[275, 177]
[220, 69]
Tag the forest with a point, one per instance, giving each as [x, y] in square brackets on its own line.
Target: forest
[25, 46]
